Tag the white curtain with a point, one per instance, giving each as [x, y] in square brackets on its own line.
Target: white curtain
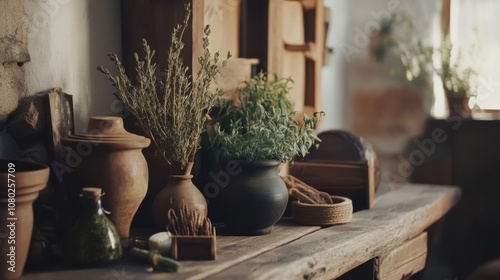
[474, 28]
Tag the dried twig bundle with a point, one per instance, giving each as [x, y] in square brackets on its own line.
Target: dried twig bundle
[188, 223]
[172, 110]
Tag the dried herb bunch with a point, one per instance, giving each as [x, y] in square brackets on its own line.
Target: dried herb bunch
[172, 111]
[189, 223]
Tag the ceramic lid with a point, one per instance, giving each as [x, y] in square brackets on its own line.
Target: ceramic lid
[108, 130]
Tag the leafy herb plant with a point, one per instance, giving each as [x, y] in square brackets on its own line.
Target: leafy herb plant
[398, 46]
[173, 110]
[457, 78]
[261, 124]
[407, 58]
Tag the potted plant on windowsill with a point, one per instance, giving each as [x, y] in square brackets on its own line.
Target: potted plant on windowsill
[252, 137]
[406, 58]
[457, 79]
[173, 112]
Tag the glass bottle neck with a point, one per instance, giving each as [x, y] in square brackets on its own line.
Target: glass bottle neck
[91, 206]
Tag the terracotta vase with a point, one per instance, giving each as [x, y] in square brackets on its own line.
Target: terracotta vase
[458, 106]
[254, 198]
[27, 179]
[110, 158]
[179, 190]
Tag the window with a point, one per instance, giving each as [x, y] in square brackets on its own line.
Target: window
[474, 28]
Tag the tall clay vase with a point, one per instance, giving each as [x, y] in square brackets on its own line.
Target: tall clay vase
[253, 198]
[20, 183]
[110, 158]
[178, 191]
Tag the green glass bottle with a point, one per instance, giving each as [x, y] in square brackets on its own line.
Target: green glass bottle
[93, 240]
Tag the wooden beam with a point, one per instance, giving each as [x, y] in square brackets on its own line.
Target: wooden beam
[198, 21]
[445, 17]
[319, 54]
[309, 4]
[275, 37]
[223, 16]
[309, 49]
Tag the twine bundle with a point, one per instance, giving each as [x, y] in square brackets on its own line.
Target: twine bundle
[313, 207]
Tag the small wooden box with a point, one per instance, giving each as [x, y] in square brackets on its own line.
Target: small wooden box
[343, 165]
[193, 248]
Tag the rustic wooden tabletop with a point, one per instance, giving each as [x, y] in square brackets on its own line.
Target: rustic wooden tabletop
[292, 251]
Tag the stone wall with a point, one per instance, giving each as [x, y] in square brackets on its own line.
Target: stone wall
[13, 55]
[47, 44]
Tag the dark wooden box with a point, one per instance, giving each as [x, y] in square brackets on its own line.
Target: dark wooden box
[343, 165]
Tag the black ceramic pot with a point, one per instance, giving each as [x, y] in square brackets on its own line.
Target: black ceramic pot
[254, 197]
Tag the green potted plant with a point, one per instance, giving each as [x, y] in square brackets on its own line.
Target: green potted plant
[173, 112]
[405, 56]
[252, 137]
[408, 59]
[457, 79]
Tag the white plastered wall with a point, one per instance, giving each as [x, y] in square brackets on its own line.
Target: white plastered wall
[67, 40]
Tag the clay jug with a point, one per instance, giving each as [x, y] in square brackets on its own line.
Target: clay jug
[20, 183]
[111, 158]
[178, 190]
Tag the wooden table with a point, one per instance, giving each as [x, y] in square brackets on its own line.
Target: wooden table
[391, 235]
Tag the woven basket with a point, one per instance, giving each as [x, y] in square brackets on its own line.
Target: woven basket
[340, 212]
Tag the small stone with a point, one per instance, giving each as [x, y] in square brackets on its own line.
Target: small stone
[13, 50]
[29, 120]
[160, 241]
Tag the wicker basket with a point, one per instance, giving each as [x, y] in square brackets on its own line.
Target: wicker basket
[340, 212]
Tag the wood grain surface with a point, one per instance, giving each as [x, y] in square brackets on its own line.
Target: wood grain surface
[300, 252]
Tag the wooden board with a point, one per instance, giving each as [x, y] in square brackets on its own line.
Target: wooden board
[294, 62]
[61, 122]
[300, 252]
[404, 261]
[223, 16]
[320, 42]
[331, 252]
[275, 37]
[231, 77]
[231, 250]
[296, 43]
[373, 177]
[332, 173]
